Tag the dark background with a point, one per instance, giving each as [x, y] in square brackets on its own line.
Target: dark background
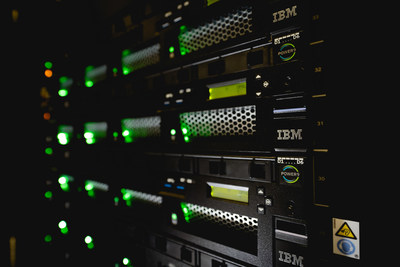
[46, 27]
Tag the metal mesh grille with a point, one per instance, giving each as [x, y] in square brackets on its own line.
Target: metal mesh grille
[229, 26]
[142, 127]
[219, 122]
[133, 195]
[231, 220]
[132, 61]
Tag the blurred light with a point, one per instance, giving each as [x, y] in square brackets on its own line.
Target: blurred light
[48, 150]
[48, 73]
[89, 242]
[62, 138]
[63, 227]
[88, 135]
[48, 194]
[62, 224]
[89, 186]
[63, 92]
[48, 64]
[48, 238]
[173, 131]
[46, 116]
[174, 218]
[62, 180]
[14, 15]
[88, 239]
[89, 83]
[126, 261]
[125, 133]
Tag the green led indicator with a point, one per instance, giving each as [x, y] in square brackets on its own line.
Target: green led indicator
[89, 83]
[173, 132]
[126, 52]
[89, 242]
[63, 227]
[126, 68]
[88, 239]
[48, 64]
[127, 196]
[63, 79]
[187, 214]
[171, 49]
[183, 28]
[89, 186]
[48, 238]
[126, 261]
[62, 224]
[125, 133]
[63, 92]
[186, 133]
[48, 151]
[89, 136]
[63, 138]
[48, 194]
[174, 219]
[64, 133]
[63, 180]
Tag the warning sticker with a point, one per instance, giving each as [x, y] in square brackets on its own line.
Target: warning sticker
[345, 231]
[346, 238]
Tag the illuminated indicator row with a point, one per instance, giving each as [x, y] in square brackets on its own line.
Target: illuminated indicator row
[216, 122]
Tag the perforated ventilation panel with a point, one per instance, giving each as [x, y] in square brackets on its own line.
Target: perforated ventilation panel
[228, 219]
[146, 197]
[132, 61]
[221, 29]
[142, 127]
[219, 122]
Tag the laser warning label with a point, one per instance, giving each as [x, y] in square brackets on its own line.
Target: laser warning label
[345, 231]
[346, 238]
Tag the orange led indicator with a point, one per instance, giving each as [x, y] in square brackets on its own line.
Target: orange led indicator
[46, 116]
[48, 73]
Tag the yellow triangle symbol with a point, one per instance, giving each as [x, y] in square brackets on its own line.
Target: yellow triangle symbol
[345, 231]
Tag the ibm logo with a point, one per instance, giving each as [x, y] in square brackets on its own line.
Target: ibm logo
[284, 14]
[289, 134]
